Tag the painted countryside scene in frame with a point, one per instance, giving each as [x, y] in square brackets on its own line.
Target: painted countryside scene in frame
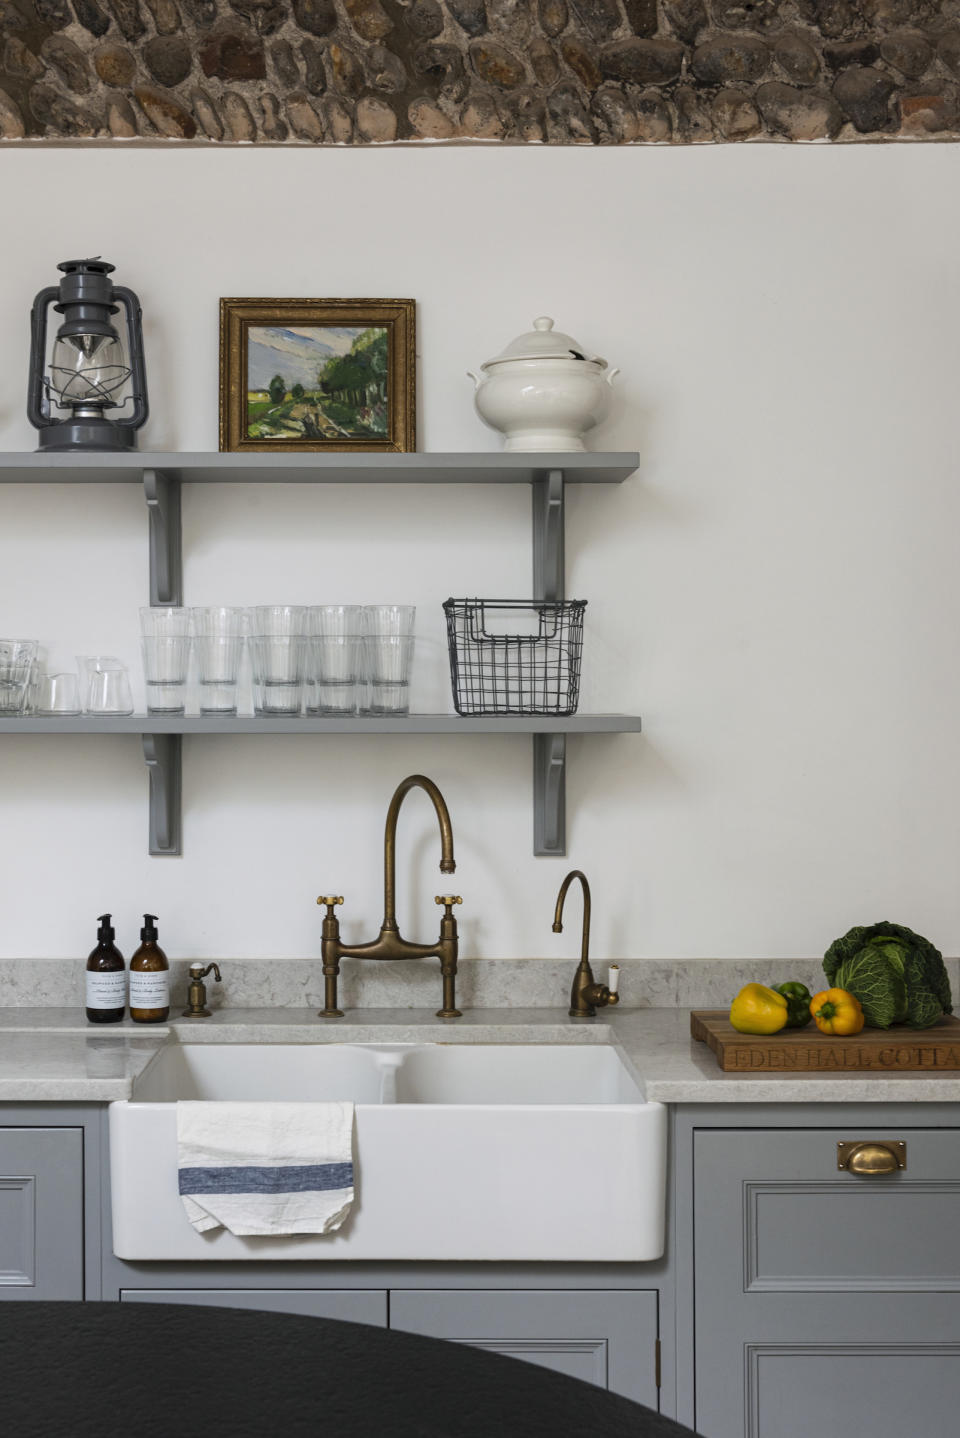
[317, 382]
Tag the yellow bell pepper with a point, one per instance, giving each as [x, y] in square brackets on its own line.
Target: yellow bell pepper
[758, 1010]
[837, 1012]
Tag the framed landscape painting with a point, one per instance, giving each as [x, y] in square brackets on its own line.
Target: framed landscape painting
[317, 375]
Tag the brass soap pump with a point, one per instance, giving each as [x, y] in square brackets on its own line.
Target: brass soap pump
[586, 995]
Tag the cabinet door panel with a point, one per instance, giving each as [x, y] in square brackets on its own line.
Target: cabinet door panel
[812, 1281]
[606, 1338]
[884, 1390]
[41, 1213]
[349, 1304]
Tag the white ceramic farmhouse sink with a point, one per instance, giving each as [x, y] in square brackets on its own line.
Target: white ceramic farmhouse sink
[462, 1151]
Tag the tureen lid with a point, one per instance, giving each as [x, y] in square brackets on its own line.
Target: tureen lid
[544, 342]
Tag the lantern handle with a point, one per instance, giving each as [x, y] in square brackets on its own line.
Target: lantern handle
[138, 378]
[38, 412]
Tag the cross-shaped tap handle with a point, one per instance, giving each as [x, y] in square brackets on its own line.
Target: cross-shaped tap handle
[448, 900]
[331, 902]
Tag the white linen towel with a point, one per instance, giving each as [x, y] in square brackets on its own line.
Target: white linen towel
[265, 1168]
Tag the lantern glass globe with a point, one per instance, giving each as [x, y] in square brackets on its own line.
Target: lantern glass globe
[87, 369]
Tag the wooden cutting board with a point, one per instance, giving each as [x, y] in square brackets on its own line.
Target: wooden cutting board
[896, 1050]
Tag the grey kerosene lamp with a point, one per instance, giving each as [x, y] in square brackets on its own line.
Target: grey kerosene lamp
[89, 364]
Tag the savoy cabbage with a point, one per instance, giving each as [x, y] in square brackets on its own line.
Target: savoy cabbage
[897, 975]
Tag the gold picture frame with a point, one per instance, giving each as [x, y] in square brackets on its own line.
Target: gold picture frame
[317, 375]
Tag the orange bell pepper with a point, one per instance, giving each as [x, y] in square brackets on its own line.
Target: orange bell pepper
[837, 1012]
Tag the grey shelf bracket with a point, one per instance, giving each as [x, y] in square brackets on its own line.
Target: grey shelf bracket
[549, 795]
[162, 493]
[549, 750]
[548, 536]
[163, 753]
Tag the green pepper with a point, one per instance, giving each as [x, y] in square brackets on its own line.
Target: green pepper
[798, 1004]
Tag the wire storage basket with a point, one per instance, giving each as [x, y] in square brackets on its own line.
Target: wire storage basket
[515, 656]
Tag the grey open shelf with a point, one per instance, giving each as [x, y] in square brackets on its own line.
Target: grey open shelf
[162, 475]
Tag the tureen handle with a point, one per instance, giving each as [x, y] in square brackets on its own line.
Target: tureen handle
[476, 379]
[611, 375]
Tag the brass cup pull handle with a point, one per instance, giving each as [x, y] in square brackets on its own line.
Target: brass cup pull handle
[448, 899]
[870, 1159]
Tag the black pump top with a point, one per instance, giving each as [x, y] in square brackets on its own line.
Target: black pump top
[149, 930]
[106, 932]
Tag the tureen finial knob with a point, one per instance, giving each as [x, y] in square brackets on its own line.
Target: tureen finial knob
[543, 323]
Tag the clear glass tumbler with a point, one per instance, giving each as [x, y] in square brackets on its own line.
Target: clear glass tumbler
[391, 622]
[388, 669]
[218, 646]
[166, 663]
[333, 658]
[17, 658]
[163, 622]
[278, 651]
[58, 694]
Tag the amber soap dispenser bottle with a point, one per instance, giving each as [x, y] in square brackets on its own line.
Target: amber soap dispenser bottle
[106, 978]
[149, 978]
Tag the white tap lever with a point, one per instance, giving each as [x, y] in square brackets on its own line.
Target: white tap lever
[613, 978]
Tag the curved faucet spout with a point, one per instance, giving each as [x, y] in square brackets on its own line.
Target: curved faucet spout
[447, 863]
[558, 915]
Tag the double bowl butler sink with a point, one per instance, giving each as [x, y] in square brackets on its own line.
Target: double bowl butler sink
[462, 1152]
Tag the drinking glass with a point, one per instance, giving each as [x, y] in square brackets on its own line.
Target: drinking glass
[218, 646]
[386, 653]
[17, 658]
[333, 658]
[278, 649]
[388, 670]
[105, 685]
[58, 694]
[166, 662]
[164, 622]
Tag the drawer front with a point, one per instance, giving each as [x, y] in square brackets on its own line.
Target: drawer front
[41, 1213]
[350, 1305]
[606, 1338]
[795, 1222]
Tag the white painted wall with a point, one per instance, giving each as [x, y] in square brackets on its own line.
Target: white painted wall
[776, 591]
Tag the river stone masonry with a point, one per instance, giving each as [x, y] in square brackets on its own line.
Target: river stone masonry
[560, 72]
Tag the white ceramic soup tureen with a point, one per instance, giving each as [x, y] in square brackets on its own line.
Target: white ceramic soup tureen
[543, 391]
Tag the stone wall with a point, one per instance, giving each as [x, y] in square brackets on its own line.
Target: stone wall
[555, 71]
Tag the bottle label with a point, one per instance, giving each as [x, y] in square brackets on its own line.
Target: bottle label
[150, 990]
[107, 991]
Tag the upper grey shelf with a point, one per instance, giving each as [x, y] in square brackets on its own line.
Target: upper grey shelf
[78, 468]
[248, 724]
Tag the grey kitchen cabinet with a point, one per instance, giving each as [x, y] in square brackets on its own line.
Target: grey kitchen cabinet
[41, 1213]
[604, 1337]
[825, 1301]
[360, 1305]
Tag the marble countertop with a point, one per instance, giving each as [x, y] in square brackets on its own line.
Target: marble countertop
[54, 1055]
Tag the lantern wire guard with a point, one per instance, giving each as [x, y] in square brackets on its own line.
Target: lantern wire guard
[515, 656]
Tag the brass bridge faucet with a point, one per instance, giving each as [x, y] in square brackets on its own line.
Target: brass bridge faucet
[586, 995]
[390, 945]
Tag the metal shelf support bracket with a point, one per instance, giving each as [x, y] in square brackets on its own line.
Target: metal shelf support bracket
[162, 493]
[549, 750]
[163, 755]
[548, 536]
[549, 794]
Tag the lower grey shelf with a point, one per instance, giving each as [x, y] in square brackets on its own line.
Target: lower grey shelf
[162, 738]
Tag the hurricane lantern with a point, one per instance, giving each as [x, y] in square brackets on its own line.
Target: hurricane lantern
[92, 370]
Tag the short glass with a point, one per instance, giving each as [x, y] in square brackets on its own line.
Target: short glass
[166, 662]
[388, 658]
[17, 660]
[278, 654]
[104, 685]
[218, 646]
[58, 694]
